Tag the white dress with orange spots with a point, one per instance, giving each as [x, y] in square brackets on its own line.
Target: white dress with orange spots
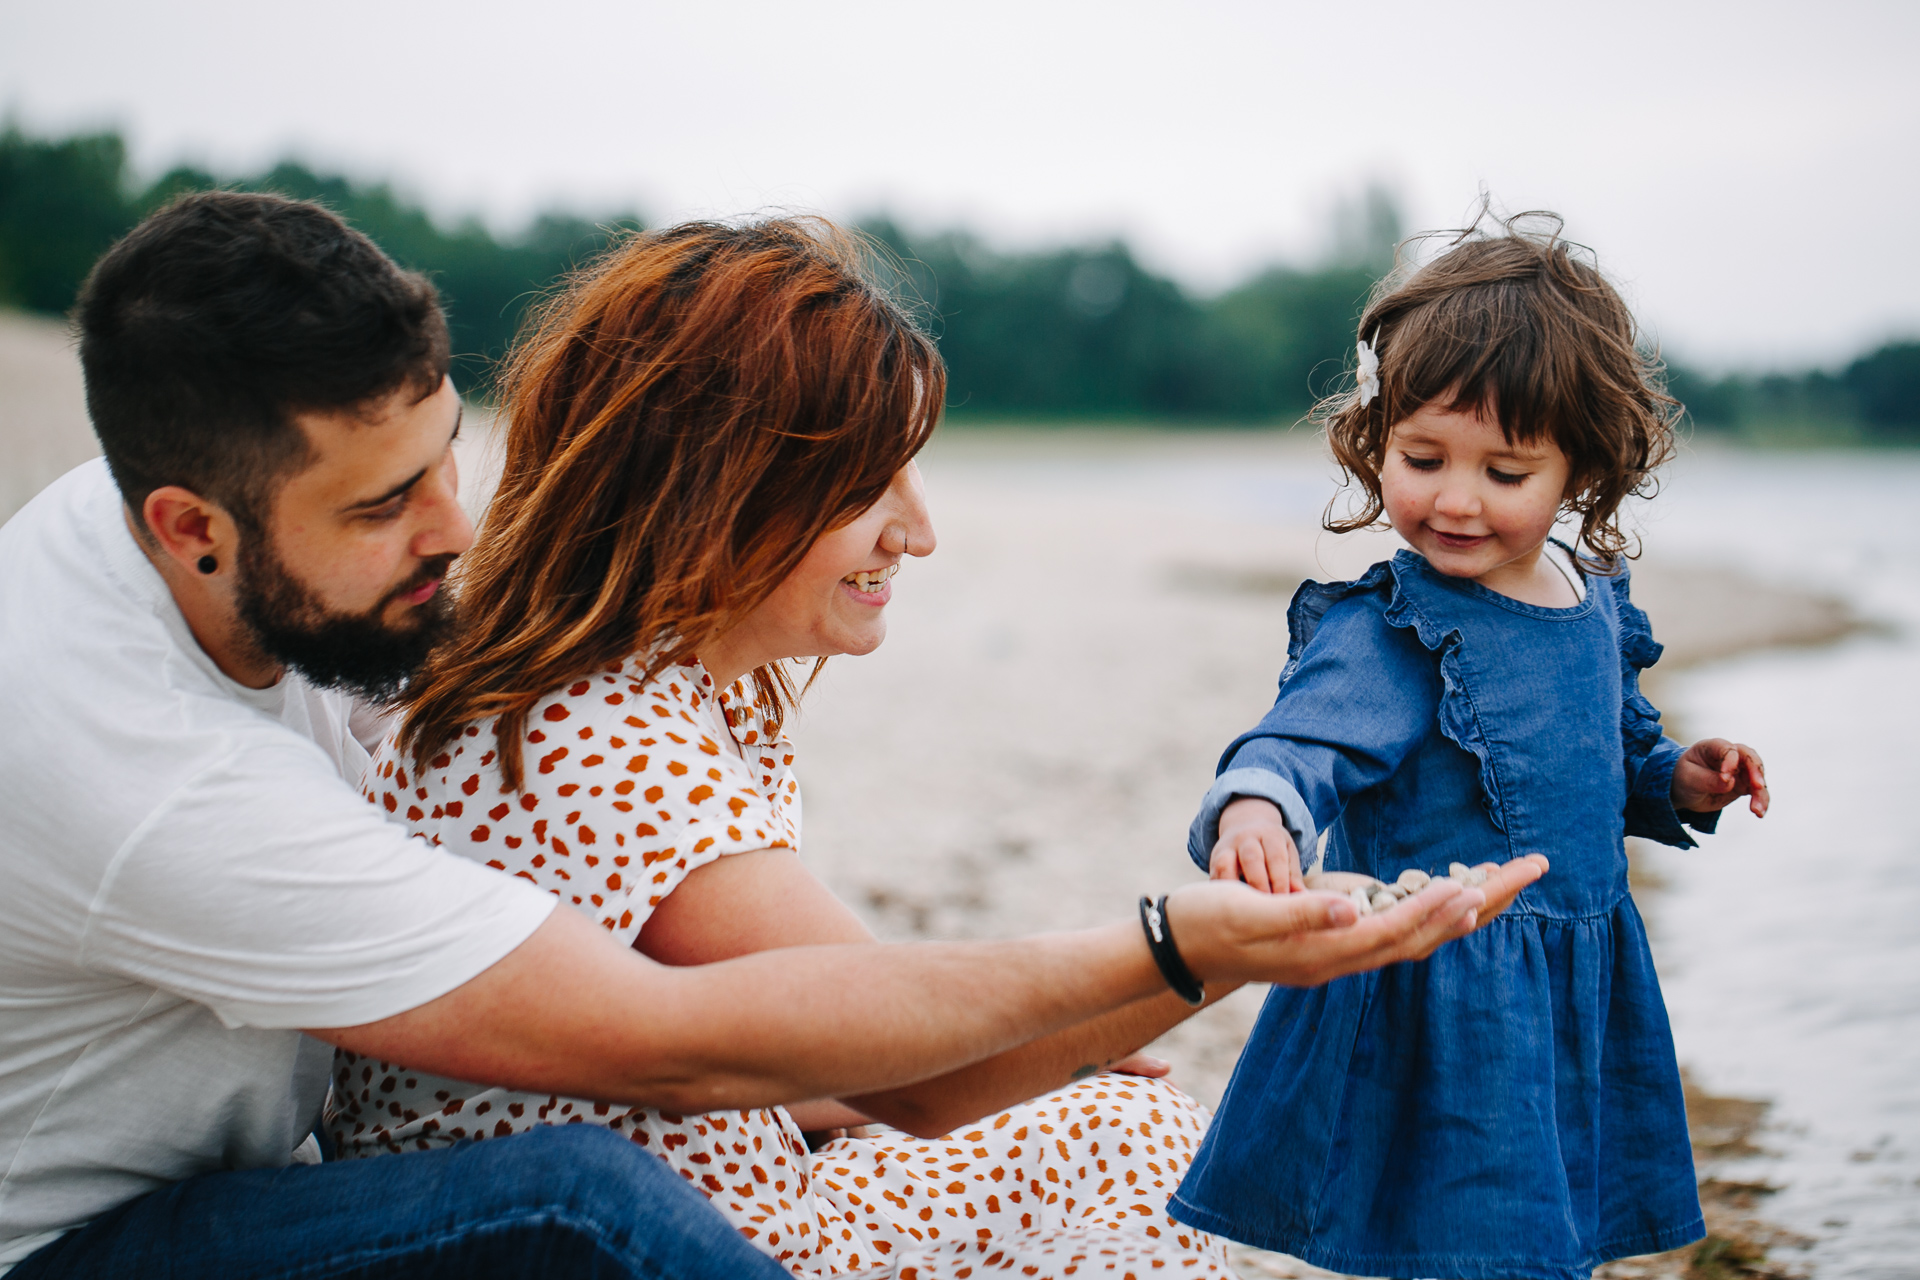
[629, 787]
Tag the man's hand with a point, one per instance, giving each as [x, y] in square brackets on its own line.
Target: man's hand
[1301, 940]
[1255, 847]
[1714, 773]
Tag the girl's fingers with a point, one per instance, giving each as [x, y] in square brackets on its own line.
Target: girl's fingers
[1254, 870]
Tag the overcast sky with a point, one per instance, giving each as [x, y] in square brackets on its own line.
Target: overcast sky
[1749, 171]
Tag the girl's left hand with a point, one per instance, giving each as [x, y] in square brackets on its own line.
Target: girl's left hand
[1715, 772]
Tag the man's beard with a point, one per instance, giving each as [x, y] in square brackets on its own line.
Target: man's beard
[356, 652]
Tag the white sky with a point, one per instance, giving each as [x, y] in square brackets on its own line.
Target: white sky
[1751, 172]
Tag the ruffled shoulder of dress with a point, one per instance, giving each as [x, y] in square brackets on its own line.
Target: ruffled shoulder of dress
[1408, 602]
[1639, 719]
[1638, 649]
[1312, 600]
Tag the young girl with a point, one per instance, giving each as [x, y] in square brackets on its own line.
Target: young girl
[1510, 1107]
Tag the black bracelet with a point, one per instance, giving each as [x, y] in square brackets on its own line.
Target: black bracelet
[1153, 918]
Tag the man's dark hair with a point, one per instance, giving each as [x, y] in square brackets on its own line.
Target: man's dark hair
[224, 314]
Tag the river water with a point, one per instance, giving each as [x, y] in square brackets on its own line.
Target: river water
[1789, 948]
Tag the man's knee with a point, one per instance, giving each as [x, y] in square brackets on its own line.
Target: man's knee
[581, 1169]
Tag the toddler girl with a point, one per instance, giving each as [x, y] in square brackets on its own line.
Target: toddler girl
[1510, 1107]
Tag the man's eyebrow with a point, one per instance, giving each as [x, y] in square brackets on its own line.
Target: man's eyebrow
[389, 495]
[410, 481]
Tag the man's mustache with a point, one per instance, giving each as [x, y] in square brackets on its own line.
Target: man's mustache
[431, 568]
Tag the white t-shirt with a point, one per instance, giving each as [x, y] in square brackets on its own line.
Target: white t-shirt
[187, 874]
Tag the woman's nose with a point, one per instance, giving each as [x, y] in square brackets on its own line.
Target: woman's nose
[911, 531]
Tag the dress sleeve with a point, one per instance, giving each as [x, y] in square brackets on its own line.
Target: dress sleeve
[1358, 695]
[627, 791]
[1649, 754]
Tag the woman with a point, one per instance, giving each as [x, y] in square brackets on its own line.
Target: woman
[709, 471]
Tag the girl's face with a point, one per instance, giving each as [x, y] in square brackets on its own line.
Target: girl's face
[1474, 504]
[835, 600]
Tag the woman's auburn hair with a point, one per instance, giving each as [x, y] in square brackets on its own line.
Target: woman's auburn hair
[1516, 326]
[683, 423]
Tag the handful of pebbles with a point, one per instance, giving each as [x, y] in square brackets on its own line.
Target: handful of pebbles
[1371, 895]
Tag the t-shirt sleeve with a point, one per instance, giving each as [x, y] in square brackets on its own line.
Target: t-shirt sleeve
[267, 890]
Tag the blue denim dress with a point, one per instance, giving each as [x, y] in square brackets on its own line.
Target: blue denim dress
[1509, 1107]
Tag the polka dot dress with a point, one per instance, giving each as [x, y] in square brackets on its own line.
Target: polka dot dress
[629, 787]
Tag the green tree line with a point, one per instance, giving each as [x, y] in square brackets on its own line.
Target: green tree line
[1071, 333]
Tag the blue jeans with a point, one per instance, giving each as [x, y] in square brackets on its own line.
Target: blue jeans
[564, 1201]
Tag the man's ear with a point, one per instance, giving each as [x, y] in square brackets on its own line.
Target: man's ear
[195, 533]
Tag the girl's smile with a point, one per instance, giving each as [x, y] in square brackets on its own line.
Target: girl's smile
[1475, 504]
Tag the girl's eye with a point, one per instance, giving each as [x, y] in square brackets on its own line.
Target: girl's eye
[1506, 477]
[1421, 464]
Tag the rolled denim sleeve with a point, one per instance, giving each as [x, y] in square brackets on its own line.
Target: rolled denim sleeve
[1650, 813]
[1360, 697]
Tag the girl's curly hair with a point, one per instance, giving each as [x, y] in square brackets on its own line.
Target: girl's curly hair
[1515, 324]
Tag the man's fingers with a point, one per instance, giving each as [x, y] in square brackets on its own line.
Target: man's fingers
[1504, 883]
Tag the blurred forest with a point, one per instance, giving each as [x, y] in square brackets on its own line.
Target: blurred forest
[1077, 333]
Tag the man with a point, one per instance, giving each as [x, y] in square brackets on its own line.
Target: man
[195, 634]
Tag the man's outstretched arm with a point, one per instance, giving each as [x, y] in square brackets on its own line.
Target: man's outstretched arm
[571, 1011]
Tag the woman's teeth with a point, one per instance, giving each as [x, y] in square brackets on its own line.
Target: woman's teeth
[871, 580]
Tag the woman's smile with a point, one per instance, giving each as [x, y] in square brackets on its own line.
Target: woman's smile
[871, 586]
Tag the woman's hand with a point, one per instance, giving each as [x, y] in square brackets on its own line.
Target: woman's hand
[1255, 847]
[1714, 773]
[1142, 1064]
[1230, 933]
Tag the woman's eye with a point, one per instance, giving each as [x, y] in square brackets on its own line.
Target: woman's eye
[1506, 477]
[1421, 464]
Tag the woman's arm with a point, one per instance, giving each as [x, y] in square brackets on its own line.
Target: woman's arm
[755, 901]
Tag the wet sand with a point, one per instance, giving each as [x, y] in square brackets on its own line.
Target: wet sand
[1026, 750]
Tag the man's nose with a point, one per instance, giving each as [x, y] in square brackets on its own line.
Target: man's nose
[447, 530]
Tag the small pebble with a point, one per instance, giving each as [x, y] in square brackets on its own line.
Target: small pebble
[1413, 880]
[1342, 882]
[1383, 900]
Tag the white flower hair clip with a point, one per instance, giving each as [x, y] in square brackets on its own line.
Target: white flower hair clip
[1367, 380]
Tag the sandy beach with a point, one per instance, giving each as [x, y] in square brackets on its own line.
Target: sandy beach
[1026, 750]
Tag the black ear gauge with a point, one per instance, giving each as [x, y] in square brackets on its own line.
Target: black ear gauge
[207, 564]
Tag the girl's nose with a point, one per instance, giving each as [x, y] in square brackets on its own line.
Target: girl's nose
[1459, 500]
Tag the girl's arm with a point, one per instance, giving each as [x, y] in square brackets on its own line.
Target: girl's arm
[1360, 698]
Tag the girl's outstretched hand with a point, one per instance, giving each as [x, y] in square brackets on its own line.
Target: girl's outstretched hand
[1714, 773]
[1228, 932]
[1255, 847]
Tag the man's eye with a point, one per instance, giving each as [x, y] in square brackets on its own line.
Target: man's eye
[1421, 464]
[1506, 477]
[387, 511]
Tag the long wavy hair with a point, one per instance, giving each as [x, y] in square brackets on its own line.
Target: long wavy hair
[1514, 323]
[683, 423]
